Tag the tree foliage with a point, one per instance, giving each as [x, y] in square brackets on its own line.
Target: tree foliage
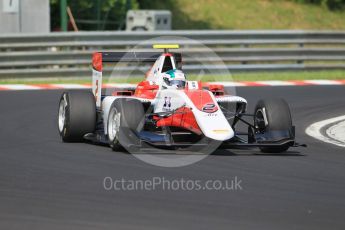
[94, 14]
[330, 4]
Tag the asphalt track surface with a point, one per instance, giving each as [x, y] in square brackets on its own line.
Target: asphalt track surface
[47, 184]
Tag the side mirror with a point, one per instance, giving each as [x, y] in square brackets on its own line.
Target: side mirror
[147, 85]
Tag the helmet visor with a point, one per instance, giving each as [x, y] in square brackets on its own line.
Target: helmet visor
[177, 83]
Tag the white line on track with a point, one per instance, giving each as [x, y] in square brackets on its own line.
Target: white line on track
[228, 84]
[71, 86]
[337, 132]
[334, 134]
[21, 87]
[276, 83]
[120, 85]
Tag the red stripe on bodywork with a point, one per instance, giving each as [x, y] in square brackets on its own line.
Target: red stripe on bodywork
[200, 98]
[183, 118]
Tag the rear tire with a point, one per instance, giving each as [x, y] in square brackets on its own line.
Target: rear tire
[278, 118]
[124, 114]
[77, 115]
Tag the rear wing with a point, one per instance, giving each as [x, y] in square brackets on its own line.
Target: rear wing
[110, 57]
[99, 58]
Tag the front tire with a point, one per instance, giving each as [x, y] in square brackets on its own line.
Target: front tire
[77, 115]
[126, 118]
[273, 117]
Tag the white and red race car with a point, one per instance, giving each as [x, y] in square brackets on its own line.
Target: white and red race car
[166, 110]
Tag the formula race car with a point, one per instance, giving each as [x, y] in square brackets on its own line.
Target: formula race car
[166, 111]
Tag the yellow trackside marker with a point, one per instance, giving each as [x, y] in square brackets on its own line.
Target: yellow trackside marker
[166, 46]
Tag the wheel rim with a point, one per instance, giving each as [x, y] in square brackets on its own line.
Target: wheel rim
[62, 113]
[260, 121]
[113, 124]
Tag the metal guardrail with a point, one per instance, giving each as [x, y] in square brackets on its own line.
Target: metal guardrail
[69, 54]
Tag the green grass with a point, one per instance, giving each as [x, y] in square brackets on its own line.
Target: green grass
[249, 14]
[303, 75]
[284, 76]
